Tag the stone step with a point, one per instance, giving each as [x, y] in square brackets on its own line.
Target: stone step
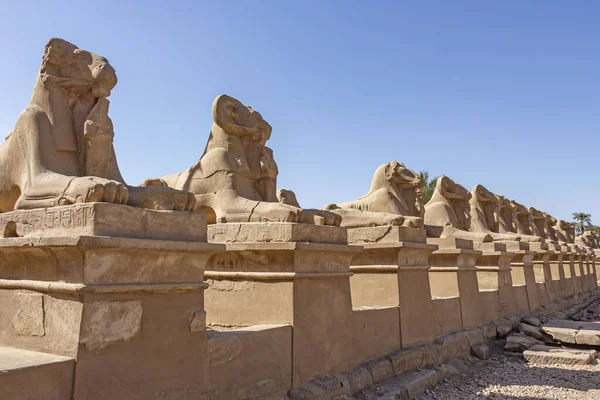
[32, 375]
[547, 355]
[576, 332]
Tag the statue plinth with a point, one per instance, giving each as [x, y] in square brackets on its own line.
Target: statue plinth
[104, 219]
[453, 274]
[287, 273]
[386, 234]
[494, 279]
[393, 271]
[275, 232]
[68, 288]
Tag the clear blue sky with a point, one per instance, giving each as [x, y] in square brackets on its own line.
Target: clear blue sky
[503, 93]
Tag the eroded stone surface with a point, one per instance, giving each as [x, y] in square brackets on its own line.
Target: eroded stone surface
[546, 355]
[235, 180]
[28, 319]
[275, 232]
[518, 343]
[104, 219]
[448, 213]
[481, 351]
[60, 151]
[107, 322]
[395, 198]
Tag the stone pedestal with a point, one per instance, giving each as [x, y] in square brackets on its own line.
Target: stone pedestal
[558, 284]
[543, 275]
[572, 284]
[592, 269]
[581, 269]
[587, 269]
[129, 310]
[494, 279]
[273, 274]
[523, 276]
[453, 273]
[596, 263]
[393, 270]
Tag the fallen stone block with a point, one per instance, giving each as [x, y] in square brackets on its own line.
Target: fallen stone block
[589, 334]
[474, 336]
[452, 346]
[380, 369]
[406, 360]
[530, 330]
[562, 330]
[329, 384]
[503, 328]
[431, 355]
[489, 331]
[533, 321]
[546, 355]
[417, 382]
[355, 380]
[480, 351]
[517, 343]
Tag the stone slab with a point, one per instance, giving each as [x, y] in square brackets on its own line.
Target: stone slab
[547, 355]
[489, 246]
[104, 219]
[451, 243]
[275, 232]
[28, 374]
[565, 331]
[386, 234]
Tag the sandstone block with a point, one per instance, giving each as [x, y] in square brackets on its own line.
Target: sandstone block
[546, 355]
[530, 330]
[452, 346]
[589, 334]
[105, 219]
[562, 330]
[533, 321]
[406, 360]
[503, 328]
[474, 336]
[489, 331]
[355, 380]
[480, 351]
[380, 369]
[280, 232]
[516, 343]
[417, 382]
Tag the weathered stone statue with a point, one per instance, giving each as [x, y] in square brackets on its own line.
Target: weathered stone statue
[394, 199]
[589, 239]
[235, 180]
[550, 231]
[485, 209]
[60, 151]
[565, 232]
[539, 223]
[448, 213]
[522, 221]
[506, 216]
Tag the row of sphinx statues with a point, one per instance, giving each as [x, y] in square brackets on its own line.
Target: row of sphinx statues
[61, 152]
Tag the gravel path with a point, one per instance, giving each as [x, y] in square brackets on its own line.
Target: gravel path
[511, 378]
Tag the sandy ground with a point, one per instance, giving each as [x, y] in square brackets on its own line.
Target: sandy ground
[509, 377]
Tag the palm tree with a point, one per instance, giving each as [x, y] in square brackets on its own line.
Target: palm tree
[582, 220]
[428, 185]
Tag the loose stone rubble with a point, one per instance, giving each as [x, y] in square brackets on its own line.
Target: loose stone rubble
[214, 284]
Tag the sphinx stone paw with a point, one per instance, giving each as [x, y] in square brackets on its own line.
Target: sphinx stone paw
[90, 189]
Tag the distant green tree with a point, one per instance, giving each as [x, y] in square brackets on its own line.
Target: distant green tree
[428, 186]
[582, 221]
[594, 228]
